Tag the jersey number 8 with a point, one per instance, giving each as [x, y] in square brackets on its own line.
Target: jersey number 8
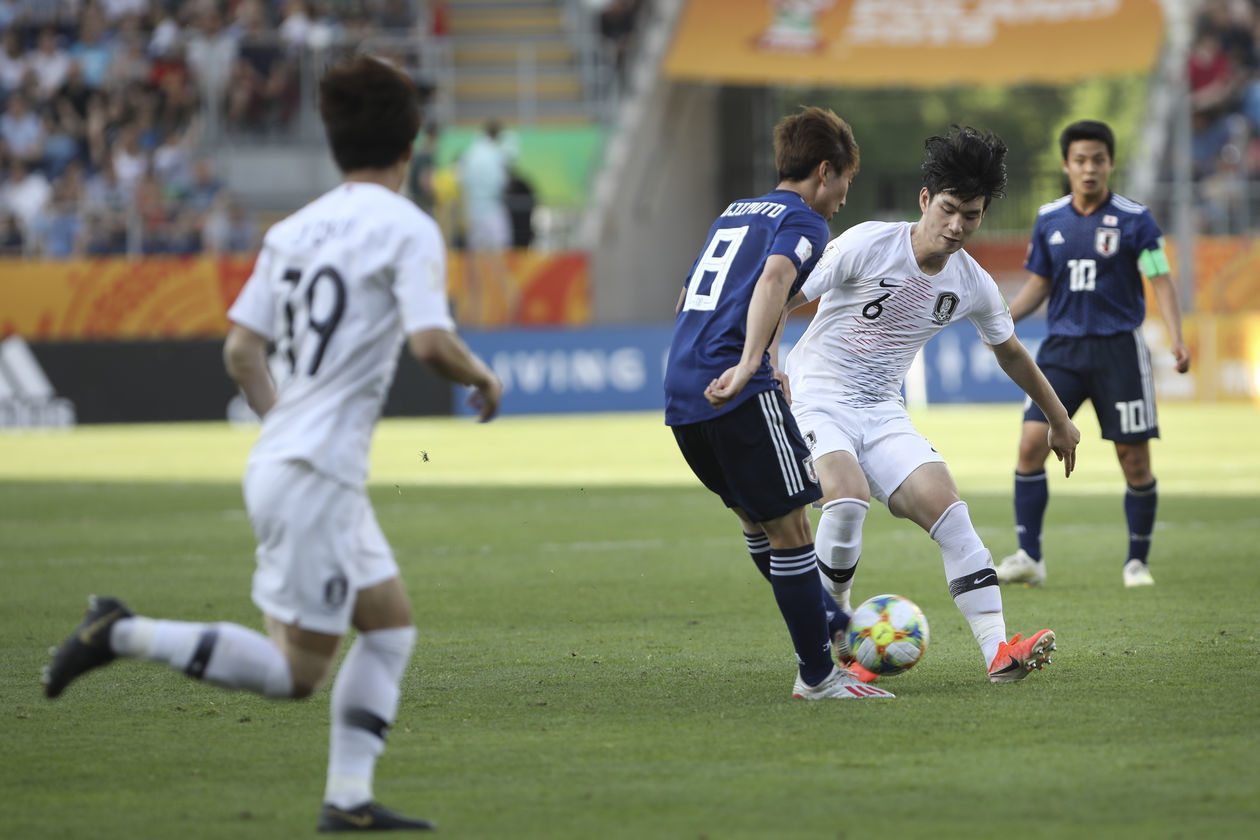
[717, 265]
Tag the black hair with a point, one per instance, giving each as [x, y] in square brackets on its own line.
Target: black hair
[965, 163]
[371, 113]
[1088, 130]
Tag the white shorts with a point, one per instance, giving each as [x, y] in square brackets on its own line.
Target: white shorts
[318, 545]
[886, 444]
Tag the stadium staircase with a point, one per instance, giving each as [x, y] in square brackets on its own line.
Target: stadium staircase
[522, 61]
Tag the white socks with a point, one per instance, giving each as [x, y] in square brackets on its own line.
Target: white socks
[972, 579]
[838, 543]
[226, 655]
[364, 695]
[364, 703]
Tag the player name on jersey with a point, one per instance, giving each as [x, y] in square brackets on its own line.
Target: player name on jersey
[759, 208]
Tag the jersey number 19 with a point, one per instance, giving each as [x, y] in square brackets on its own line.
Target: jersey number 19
[313, 310]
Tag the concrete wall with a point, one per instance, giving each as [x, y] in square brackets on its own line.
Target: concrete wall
[664, 203]
[276, 177]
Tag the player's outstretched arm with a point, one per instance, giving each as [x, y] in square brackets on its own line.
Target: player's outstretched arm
[245, 357]
[764, 311]
[448, 355]
[1031, 296]
[1019, 365]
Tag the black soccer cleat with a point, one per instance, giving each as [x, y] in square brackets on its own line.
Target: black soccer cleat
[87, 647]
[370, 816]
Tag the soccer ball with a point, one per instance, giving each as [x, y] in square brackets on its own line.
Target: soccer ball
[888, 634]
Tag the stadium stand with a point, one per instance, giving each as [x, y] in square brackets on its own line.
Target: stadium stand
[1223, 73]
[111, 111]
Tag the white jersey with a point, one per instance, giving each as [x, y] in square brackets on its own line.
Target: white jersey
[337, 286]
[878, 309]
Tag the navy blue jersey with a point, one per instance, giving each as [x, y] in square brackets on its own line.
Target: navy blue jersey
[710, 328]
[1092, 265]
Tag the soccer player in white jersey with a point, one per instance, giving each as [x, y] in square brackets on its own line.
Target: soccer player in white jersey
[884, 289]
[338, 287]
[1088, 254]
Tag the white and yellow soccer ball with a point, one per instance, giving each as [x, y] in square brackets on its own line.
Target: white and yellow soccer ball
[888, 634]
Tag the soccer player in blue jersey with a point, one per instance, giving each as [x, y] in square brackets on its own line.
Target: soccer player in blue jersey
[1088, 254]
[723, 396]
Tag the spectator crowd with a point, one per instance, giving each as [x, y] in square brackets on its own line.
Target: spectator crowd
[110, 109]
[103, 107]
[1223, 73]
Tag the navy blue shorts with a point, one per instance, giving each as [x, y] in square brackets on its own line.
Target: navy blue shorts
[754, 457]
[1113, 372]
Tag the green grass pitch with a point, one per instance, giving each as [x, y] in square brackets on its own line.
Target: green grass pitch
[598, 657]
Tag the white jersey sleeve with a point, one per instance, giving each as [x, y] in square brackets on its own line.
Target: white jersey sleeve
[420, 286]
[254, 308]
[989, 312]
[841, 260]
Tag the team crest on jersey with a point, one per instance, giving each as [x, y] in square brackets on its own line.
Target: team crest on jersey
[1107, 240]
[943, 311]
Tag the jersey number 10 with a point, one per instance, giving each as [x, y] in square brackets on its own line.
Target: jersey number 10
[1081, 275]
[1132, 416]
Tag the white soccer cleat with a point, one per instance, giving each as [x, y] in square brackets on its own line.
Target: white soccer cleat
[1137, 573]
[1021, 568]
[839, 685]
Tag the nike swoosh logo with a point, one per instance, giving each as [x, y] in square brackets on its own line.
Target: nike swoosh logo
[87, 633]
[884, 284]
[984, 577]
[354, 819]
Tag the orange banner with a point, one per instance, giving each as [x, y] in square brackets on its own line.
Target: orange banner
[885, 43]
[188, 297]
[1225, 358]
[533, 289]
[111, 298]
[1227, 273]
